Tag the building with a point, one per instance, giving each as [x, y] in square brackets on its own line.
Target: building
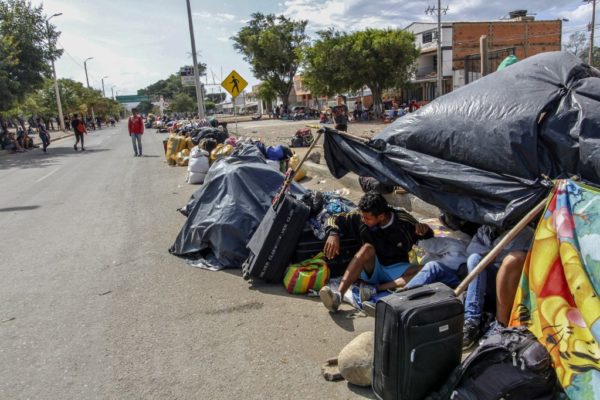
[520, 35]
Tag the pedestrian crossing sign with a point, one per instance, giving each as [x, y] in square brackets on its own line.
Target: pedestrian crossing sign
[234, 84]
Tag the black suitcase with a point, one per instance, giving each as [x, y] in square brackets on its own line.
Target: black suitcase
[275, 239]
[309, 246]
[418, 341]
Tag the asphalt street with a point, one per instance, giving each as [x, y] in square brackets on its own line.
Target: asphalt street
[92, 305]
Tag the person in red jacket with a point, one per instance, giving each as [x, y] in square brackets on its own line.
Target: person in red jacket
[136, 130]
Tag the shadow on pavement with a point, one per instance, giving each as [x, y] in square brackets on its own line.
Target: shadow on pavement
[366, 392]
[23, 208]
[36, 158]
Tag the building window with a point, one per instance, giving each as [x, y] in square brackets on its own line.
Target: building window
[428, 37]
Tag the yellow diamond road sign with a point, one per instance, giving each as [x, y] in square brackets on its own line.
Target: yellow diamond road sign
[234, 84]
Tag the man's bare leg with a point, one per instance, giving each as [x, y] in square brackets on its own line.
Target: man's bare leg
[364, 259]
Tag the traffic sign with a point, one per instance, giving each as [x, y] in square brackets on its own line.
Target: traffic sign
[234, 84]
[132, 98]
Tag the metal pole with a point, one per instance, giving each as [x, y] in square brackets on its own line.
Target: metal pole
[61, 118]
[483, 55]
[196, 75]
[103, 94]
[112, 92]
[591, 54]
[87, 80]
[440, 71]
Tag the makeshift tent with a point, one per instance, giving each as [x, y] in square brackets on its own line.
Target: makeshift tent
[486, 151]
[227, 209]
[557, 298]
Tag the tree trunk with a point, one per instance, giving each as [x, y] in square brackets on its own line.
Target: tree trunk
[377, 103]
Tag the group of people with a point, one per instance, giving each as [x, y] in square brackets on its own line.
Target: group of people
[388, 234]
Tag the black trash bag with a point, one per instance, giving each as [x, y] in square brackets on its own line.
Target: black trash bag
[314, 200]
[224, 213]
[485, 152]
[368, 184]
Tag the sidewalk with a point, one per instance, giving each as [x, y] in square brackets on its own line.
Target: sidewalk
[319, 178]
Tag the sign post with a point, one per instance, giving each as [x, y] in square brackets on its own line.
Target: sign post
[234, 84]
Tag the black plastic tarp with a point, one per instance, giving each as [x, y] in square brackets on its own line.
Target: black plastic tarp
[483, 152]
[227, 209]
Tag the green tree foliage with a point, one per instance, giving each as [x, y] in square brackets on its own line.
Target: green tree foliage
[216, 97]
[183, 102]
[376, 58]
[272, 46]
[25, 43]
[75, 98]
[209, 105]
[145, 107]
[171, 86]
[267, 93]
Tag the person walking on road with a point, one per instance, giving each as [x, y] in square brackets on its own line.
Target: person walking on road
[44, 135]
[136, 130]
[79, 129]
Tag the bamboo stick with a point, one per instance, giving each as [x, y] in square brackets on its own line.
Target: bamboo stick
[500, 246]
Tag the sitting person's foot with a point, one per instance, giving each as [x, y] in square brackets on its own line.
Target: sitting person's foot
[331, 298]
[366, 291]
[471, 334]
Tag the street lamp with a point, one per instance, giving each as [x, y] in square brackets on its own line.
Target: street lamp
[103, 94]
[87, 80]
[61, 119]
[112, 92]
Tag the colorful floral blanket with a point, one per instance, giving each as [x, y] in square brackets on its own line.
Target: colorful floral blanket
[558, 294]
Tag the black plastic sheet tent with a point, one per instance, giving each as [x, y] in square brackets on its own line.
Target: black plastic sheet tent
[227, 209]
[485, 152]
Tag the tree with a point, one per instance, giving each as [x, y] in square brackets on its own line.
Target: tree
[145, 107]
[272, 46]
[182, 102]
[576, 43]
[216, 97]
[171, 86]
[323, 72]
[267, 93]
[24, 50]
[376, 58]
[209, 105]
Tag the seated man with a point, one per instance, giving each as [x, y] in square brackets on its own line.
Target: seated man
[387, 235]
[506, 270]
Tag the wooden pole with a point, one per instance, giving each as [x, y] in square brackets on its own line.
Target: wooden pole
[500, 246]
[483, 55]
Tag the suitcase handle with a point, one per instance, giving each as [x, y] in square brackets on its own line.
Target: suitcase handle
[420, 294]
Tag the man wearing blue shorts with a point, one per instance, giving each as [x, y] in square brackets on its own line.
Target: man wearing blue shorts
[387, 236]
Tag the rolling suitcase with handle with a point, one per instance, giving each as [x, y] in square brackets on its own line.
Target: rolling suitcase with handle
[275, 239]
[418, 341]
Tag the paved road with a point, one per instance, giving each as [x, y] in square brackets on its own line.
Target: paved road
[93, 306]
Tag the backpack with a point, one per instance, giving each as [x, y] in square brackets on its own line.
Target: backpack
[509, 364]
[80, 127]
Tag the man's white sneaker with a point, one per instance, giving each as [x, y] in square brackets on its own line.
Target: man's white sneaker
[331, 298]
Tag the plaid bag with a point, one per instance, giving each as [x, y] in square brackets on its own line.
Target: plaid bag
[308, 274]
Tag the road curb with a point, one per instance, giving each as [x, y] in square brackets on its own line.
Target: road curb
[37, 141]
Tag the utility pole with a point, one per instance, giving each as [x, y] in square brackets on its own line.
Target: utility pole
[61, 118]
[483, 55]
[196, 75]
[103, 94]
[591, 28]
[439, 90]
[87, 80]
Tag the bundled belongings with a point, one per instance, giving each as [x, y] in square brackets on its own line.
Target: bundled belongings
[175, 144]
[302, 138]
[197, 166]
[273, 243]
[484, 152]
[310, 274]
[558, 296]
[227, 209]
[509, 364]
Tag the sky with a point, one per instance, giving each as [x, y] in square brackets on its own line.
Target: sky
[136, 43]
